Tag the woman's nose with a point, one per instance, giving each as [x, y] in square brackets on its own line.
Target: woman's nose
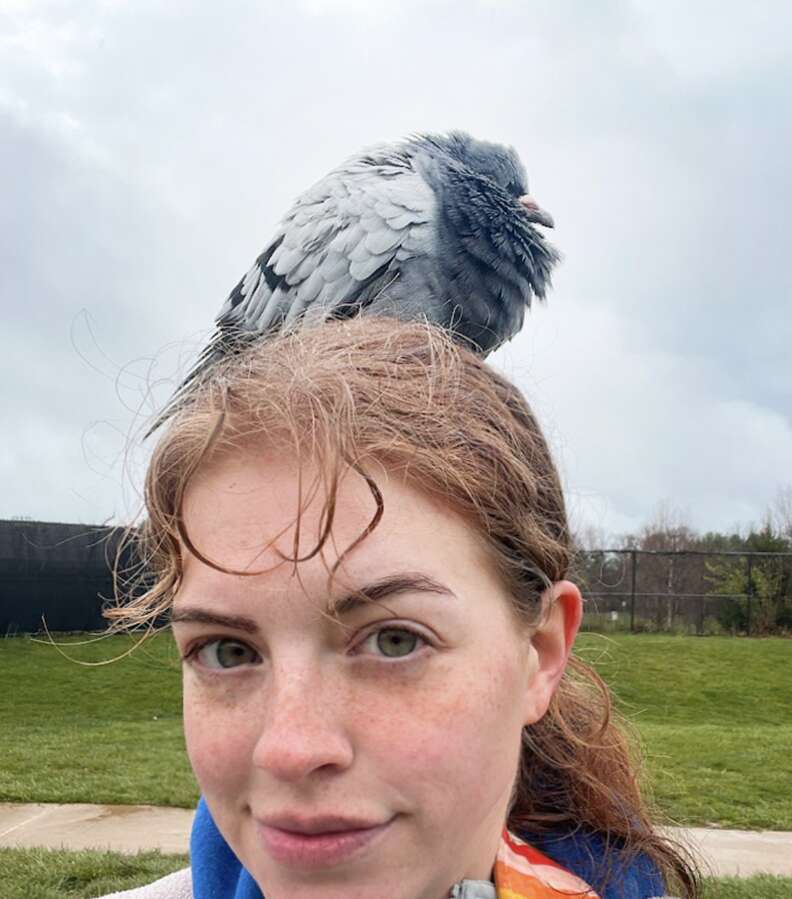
[302, 730]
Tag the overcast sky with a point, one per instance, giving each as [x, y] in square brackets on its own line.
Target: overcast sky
[147, 150]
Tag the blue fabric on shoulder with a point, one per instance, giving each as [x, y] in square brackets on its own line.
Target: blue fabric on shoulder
[218, 874]
[601, 864]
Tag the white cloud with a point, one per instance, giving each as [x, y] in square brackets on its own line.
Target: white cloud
[149, 149]
[709, 43]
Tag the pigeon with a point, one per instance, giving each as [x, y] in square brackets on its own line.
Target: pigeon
[437, 227]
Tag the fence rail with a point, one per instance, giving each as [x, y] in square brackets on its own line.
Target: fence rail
[691, 591]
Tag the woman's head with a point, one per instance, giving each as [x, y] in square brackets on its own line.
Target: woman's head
[379, 691]
[406, 397]
[376, 514]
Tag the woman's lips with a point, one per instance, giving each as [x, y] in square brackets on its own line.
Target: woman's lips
[315, 849]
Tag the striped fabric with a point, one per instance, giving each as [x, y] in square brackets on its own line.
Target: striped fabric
[522, 872]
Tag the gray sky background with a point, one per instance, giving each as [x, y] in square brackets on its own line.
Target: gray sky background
[148, 149]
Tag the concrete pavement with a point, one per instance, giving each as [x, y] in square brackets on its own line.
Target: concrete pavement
[122, 828]
[131, 828]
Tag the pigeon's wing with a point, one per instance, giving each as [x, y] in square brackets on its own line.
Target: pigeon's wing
[337, 247]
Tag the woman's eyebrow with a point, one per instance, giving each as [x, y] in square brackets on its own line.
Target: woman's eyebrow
[376, 591]
[407, 582]
[203, 616]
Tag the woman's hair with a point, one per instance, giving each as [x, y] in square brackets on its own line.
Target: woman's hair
[350, 395]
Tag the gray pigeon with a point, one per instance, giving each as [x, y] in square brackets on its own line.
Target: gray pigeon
[438, 226]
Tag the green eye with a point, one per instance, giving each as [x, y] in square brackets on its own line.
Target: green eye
[395, 643]
[226, 654]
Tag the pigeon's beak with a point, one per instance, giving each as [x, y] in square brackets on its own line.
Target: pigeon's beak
[535, 212]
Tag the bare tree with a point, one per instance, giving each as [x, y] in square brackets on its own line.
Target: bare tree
[779, 513]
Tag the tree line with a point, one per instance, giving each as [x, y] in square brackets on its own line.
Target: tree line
[680, 578]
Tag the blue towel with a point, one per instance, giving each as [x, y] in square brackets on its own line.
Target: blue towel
[218, 874]
[586, 854]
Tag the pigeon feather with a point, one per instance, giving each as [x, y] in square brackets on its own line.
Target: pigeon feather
[435, 227]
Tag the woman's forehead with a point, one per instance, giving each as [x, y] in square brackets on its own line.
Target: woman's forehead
[256, 513]
[272, 494]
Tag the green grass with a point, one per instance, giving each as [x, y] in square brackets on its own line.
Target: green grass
[715, 714]
[108, 734]
[56, 874]
[762, 887]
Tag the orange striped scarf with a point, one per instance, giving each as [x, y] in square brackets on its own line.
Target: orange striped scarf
[522, 872]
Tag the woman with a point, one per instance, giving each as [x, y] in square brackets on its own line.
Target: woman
[360, 538]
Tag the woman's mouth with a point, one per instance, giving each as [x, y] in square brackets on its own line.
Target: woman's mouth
[317, 842]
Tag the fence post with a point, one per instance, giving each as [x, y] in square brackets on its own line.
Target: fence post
[632, 592]
[749, 593]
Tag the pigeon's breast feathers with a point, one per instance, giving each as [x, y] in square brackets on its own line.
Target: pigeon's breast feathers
[494, 259]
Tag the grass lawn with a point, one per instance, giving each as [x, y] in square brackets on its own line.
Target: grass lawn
[57, 874]
[108, 734]
[49, 874]
[715, 714]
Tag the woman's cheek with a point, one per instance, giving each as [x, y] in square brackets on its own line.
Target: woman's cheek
[418, 728]
[463, 726]
[219, 733]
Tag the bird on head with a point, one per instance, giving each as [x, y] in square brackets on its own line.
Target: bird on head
[437, 227]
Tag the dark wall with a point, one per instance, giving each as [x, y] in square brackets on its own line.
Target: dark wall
[60, 571]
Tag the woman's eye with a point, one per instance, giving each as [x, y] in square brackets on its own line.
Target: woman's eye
[393, 642]
[226, 654]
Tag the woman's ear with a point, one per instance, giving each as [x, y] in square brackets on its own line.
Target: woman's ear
[551, 644]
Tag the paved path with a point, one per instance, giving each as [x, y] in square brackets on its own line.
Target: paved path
[123, 828]
[130, 828]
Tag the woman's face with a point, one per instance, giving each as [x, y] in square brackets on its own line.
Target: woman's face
[373, 755]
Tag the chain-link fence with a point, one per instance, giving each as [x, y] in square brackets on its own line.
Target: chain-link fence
[685, 591]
